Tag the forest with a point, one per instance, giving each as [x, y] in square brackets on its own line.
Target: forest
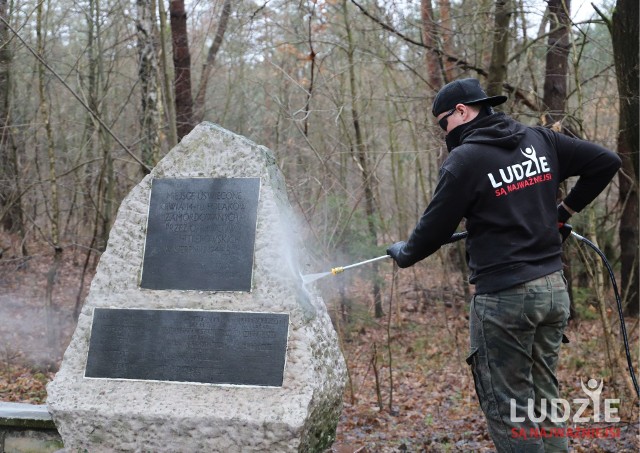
[93, 93]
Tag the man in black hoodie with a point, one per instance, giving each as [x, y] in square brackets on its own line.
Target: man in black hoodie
[502, 177]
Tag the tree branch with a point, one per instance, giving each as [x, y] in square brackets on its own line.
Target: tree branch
[450, 58]
[75, 95]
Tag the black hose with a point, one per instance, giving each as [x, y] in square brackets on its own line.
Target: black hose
[457, 237]
[623, 327]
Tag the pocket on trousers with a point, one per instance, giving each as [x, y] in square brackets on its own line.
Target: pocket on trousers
[472, 360]
[469, 359]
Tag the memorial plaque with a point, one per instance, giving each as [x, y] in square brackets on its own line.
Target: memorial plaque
[214, 347]
[201, 234]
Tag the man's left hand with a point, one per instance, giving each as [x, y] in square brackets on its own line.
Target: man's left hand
[394, 251]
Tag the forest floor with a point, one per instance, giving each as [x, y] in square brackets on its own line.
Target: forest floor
[410, 389]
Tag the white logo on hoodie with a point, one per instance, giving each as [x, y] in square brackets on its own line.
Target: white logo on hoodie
[526, 169]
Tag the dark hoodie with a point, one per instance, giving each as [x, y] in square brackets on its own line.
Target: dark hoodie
[503, 178]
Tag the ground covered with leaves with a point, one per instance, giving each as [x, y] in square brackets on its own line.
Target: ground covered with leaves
[409, 390]
[421, 397]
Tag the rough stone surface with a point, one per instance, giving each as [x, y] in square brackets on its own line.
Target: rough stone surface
[126, 415]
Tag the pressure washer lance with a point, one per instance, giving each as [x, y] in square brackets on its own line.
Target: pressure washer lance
[337, 270]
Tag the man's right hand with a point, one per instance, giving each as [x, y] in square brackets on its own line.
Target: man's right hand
[565, 230]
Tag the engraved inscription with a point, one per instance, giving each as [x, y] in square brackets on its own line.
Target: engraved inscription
[200, 234]
[203, 222]
[189, 346]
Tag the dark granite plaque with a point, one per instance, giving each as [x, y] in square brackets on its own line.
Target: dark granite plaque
[200, 234]
[213, 347]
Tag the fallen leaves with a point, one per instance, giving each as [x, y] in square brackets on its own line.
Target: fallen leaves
[23, 384]
[432, 406]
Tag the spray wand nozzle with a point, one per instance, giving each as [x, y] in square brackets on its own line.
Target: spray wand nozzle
[339, 269]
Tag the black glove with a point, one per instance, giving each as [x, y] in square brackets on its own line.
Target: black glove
[563, 214]
[394, 251]
[563, 227]
[565, 230]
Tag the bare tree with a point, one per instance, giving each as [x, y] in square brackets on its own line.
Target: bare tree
[624, 31]
[557, 64]
[54, 204]
[499, 54]
[10, 204]
[168, 92]
[148, 75]
[360, 150]
[182, 68]
[555, 93]
[447, 37]
[207, 67]
[430, 39]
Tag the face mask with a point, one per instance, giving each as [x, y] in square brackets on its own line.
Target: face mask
[453, 138]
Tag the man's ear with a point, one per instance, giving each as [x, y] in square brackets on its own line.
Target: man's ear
[465, 110]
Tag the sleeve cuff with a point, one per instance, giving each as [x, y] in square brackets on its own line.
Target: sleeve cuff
[563, 214]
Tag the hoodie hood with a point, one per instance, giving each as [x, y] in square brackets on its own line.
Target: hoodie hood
[496, 130]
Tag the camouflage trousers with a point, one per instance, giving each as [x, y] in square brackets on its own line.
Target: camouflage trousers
[515, 339]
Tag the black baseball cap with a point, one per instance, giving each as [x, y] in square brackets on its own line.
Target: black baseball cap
[463, 91]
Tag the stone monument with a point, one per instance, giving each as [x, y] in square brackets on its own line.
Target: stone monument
[197, 333]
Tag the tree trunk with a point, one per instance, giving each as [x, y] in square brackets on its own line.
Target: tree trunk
[429, 38]
[10, 205]
[498, 66]
[446, 34]
[182, 68]
[435, 78]
[557, 64]
[628, 228]
[555, 89]
[7, 213]
[54, 205]
[148, 77]
[363, 161]
[105, 186]
[166, 78]
[397, 169]
[624, 34]
[211, 58]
